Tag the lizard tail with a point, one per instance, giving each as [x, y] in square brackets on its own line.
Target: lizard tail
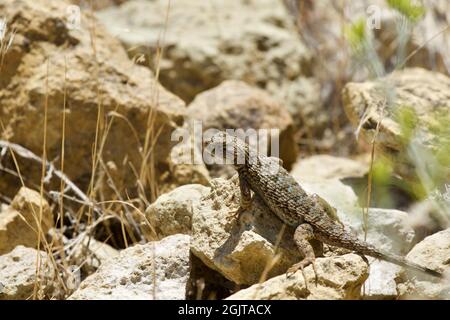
[349, 241]
[401, 261]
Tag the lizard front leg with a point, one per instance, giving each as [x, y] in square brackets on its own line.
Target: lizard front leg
[302, 236]
[245, 199]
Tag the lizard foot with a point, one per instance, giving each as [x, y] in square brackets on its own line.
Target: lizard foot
[301, 266]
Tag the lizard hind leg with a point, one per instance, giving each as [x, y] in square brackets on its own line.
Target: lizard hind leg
[303, 234]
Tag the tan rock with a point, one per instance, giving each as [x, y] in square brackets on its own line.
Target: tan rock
[18, 275]
[258, 247]
[126, 93]
[338, 278]
[172, 212]
[323, 28]
[19, 222]
[156, 270]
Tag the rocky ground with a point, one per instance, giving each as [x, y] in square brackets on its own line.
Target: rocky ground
[98, 202]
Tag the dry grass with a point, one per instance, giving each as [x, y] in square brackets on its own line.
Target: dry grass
[96, 209]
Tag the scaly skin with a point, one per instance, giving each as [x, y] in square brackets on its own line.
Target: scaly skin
[284, 196]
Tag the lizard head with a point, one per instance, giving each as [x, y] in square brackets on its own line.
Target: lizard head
[232, 149]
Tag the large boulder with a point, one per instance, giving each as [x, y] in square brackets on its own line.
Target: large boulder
[337, 278]
[156, 270]
[51, 64]
[255, 248]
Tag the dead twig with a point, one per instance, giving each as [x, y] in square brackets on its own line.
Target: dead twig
[51, 171]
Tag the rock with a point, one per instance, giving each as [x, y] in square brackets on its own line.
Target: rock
[90, 254]
[323, 30]
[258, 248]
[236, 105]
[252, 41]
[156, 270]
[18, 275]
[388, 230]
[127, 94]
[18, 222]
[434, 253]
[338, 278]
[415, 123]
[337, 194]
[171, 213]
[322, 167]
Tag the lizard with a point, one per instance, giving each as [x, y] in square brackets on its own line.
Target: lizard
[310, 215]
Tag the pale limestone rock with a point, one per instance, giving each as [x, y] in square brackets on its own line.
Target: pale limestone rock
[156, 270]
[172, 212]
[434, 253]
[18, 274]
[91, 253]
[19, 221]
[337, 194]
[338, 278]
